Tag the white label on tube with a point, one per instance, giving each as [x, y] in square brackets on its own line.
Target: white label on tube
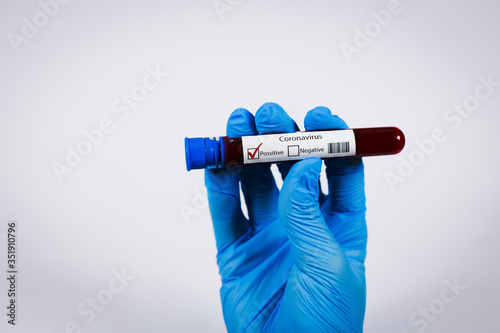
[273, 148]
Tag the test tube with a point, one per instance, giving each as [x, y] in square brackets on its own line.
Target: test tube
[224, 151]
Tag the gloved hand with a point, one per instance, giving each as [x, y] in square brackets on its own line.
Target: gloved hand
[297, 263]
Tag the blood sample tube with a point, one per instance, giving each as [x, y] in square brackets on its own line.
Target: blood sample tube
[223, 152]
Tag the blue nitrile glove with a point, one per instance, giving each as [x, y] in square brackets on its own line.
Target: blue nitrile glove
[297, 263]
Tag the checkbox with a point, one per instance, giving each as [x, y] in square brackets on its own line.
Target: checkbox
[253, 153]
[293, 151]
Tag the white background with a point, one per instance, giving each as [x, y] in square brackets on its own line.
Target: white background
[121, 207]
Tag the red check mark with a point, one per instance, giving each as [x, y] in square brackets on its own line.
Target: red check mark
[252, 156]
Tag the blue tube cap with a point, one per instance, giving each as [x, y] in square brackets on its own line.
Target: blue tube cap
[201, 153]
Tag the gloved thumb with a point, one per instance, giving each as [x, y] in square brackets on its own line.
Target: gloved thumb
[317, 252]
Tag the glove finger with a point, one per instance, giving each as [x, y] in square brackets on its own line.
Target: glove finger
[345, 174]
[223, 192]
[271, 118]
[257, 181]
[317, 252]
